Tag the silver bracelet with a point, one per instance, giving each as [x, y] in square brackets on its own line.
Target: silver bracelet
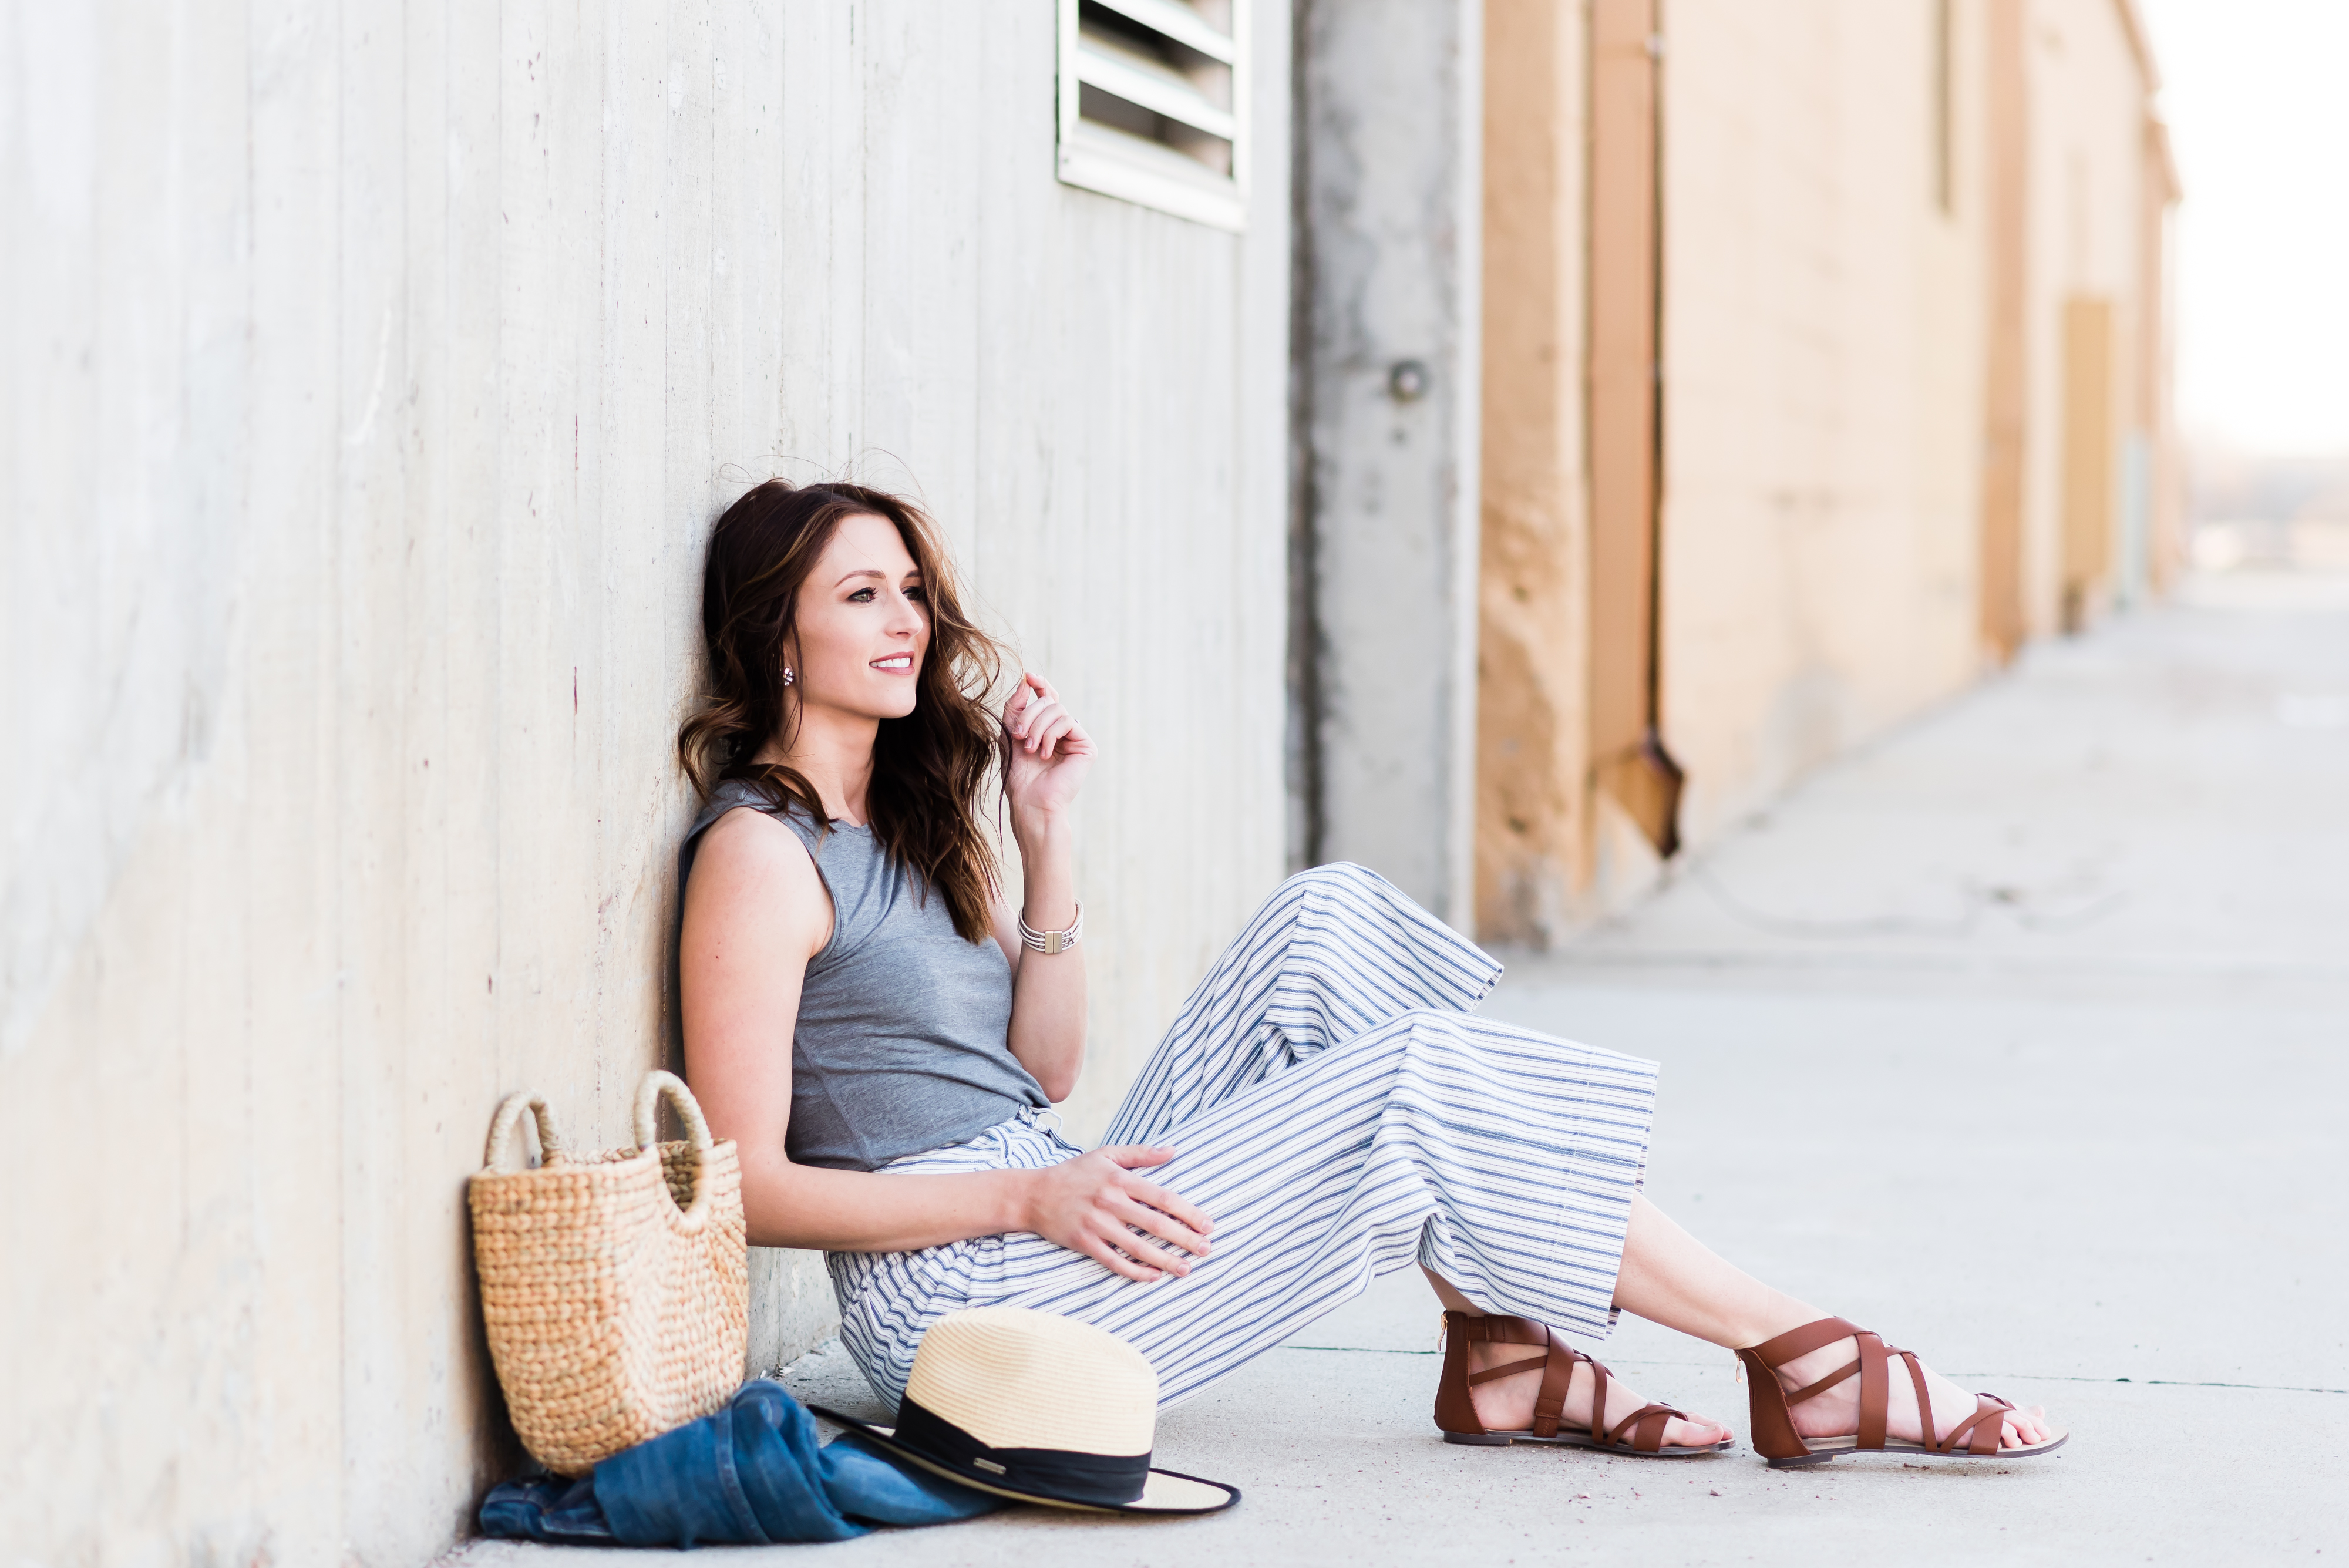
[1052, 941]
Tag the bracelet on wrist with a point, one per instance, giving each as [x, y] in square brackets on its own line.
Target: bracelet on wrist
[1049, 942]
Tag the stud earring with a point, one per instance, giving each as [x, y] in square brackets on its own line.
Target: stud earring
[789, 676]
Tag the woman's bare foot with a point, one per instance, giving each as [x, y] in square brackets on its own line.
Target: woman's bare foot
[1507, 1403]
[1835, 1412]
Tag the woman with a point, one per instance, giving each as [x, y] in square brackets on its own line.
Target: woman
[882, 1034]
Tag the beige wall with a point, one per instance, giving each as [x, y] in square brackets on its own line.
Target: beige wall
[1820, 321]
[1826, 326]
[2084, 194]
[372, 377]
[1533, 737]
[1823, 318]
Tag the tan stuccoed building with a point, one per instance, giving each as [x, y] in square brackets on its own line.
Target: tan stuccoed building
[1825, 363]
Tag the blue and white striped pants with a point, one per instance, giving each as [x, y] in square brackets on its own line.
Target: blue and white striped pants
[1338, 1112]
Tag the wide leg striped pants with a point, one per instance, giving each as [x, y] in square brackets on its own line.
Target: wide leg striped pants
[1338, 1113]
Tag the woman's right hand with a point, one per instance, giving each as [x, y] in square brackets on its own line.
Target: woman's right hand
[1092, 1203]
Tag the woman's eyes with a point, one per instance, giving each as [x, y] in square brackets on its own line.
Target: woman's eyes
[866, 596]
[860, 597]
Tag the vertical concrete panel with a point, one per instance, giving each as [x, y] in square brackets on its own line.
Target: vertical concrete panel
[742, 142]
[1392, 119]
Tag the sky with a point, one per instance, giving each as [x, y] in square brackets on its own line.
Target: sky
[2256, 93]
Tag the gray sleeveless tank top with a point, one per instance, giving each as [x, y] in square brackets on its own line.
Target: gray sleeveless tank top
[903, 1038]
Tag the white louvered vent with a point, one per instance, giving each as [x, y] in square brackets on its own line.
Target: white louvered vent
[1154, 104]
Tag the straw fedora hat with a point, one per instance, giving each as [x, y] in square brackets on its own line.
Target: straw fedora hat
[1039, 1408]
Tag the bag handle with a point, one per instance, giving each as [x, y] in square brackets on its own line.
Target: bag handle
[509, 1118]
[696, 1131]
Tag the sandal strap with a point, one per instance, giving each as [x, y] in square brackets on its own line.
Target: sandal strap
[1799, 1341]
[1645, 1425]
[1511, 1370]
[1987, 1434]
[1875, 1382]
[1822, 1385]
[1557, 1360]
[1977, 1434]
[1924, 1399]
[1557, 1376]
[1875, 1391]
[1980, 1433]
[1492, 1328]
[1651, 1420]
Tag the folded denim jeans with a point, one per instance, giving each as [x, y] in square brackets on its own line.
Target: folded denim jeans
[751, 1474]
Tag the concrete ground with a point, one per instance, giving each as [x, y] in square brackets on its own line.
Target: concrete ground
[2022, 1037]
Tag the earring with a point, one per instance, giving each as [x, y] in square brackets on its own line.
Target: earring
[788, 676]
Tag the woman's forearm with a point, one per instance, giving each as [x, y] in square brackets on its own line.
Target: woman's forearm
[1048, 995]
[790, 1205]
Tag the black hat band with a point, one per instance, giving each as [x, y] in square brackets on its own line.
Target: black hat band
[1106, 1480]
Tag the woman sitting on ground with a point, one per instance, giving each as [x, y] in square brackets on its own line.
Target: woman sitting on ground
[883, 1036]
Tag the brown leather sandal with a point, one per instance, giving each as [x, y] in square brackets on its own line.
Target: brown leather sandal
[1775, 1440]
[1455, 1412]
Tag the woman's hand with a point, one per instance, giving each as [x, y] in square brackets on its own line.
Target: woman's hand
[1050, 751]
[1091, 1204]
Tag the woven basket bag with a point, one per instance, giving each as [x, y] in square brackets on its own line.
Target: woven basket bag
[614, 1284]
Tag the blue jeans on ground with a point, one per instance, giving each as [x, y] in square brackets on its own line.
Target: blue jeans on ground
[753, 1474]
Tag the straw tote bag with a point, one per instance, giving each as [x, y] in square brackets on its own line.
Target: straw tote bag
[614, 1285]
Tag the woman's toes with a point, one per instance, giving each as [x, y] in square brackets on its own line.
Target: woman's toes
[1694, 1432]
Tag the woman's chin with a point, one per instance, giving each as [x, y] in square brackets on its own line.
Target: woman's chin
[871, 706]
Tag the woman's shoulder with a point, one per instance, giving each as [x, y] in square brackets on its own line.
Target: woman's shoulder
[728, 797]
[745, 822]
[731, 804]
[750, 868]
[741, 822]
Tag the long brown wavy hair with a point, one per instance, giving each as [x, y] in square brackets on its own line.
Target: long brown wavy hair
[928, 768]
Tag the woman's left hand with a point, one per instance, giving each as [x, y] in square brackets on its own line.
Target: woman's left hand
[1049, 750]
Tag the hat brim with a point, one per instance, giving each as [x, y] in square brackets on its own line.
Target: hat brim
[1166, 1492]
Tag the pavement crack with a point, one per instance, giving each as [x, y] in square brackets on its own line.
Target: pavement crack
[2153, 1382]
[1986, 1377]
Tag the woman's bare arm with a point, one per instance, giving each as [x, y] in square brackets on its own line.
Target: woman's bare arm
[1048, 990]
[1050, 754]
[755, 913]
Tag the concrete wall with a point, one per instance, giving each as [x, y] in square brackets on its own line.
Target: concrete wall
[372, 375]
[1391, 121]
